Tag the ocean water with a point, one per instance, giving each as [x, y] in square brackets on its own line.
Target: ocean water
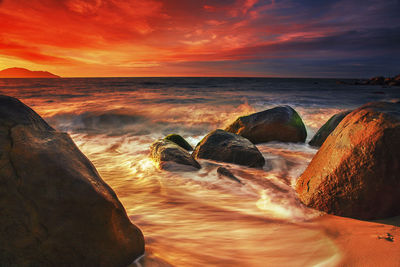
[197, 218]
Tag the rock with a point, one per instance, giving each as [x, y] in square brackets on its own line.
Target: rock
[362, 82]
[387, 80]
[394, 83]
[55, 208]
[223, 146]
[356, 171]
[179, 140]
[327, 128]
[169, 156]
[379, 80]
[222, 171]
[277, 124]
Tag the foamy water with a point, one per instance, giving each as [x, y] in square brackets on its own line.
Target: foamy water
[198, 218]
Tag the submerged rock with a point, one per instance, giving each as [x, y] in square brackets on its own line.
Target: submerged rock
[356, 172]
[222, 171]
[223, 146]
[320, 137]
[55, 208]
[278, 124]
[179, 140]
[169, 156]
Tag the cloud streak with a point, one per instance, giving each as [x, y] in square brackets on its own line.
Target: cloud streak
[171, 37]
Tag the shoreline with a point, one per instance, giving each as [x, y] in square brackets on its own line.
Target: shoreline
[363, 243]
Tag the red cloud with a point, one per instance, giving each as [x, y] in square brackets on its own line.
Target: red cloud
[147, 36]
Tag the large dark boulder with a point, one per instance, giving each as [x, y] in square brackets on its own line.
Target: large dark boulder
[179, 140]
[356, 172]
[55, 208]
[169, 156]
[277, 124]
[223, 146]
[320, 137]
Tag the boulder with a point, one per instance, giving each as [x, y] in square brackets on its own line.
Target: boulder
[169, 156]
[55, 208]
[223, 146]
[180, 141]
[278, 124]
[327, 128]
[356, 172]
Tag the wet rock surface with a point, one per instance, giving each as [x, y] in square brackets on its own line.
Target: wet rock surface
[224, 172]
[277, 124]
[55, 208]
[169, 156]
[180, 141]
[320, 137]
[356, 171]
[223, 146]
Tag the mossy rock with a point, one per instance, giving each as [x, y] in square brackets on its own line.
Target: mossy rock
[179, 140]
[326, 129]
[169, 156]
[281, 124]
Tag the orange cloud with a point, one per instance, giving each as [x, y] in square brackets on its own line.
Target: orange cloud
[149, 38]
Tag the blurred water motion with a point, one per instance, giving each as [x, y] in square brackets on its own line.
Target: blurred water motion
[199, 218]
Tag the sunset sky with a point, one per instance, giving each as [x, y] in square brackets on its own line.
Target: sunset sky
[284, 38]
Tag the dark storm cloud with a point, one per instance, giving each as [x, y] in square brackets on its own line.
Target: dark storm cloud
[383, 41]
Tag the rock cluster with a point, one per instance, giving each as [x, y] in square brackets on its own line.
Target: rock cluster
[378, 80]
[235, 144]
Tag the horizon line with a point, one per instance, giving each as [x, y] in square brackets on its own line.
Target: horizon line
[253, 77]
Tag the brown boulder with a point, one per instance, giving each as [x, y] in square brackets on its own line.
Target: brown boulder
[223, 146]
[320, 137]
[55, 208]
[169, 156]
[356, 172]
[276, 124]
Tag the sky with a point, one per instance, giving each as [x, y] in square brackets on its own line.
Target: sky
[276, 38]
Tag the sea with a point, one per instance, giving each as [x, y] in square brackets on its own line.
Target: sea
[197, 218]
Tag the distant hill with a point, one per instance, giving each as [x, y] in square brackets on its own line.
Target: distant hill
[24, 73]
